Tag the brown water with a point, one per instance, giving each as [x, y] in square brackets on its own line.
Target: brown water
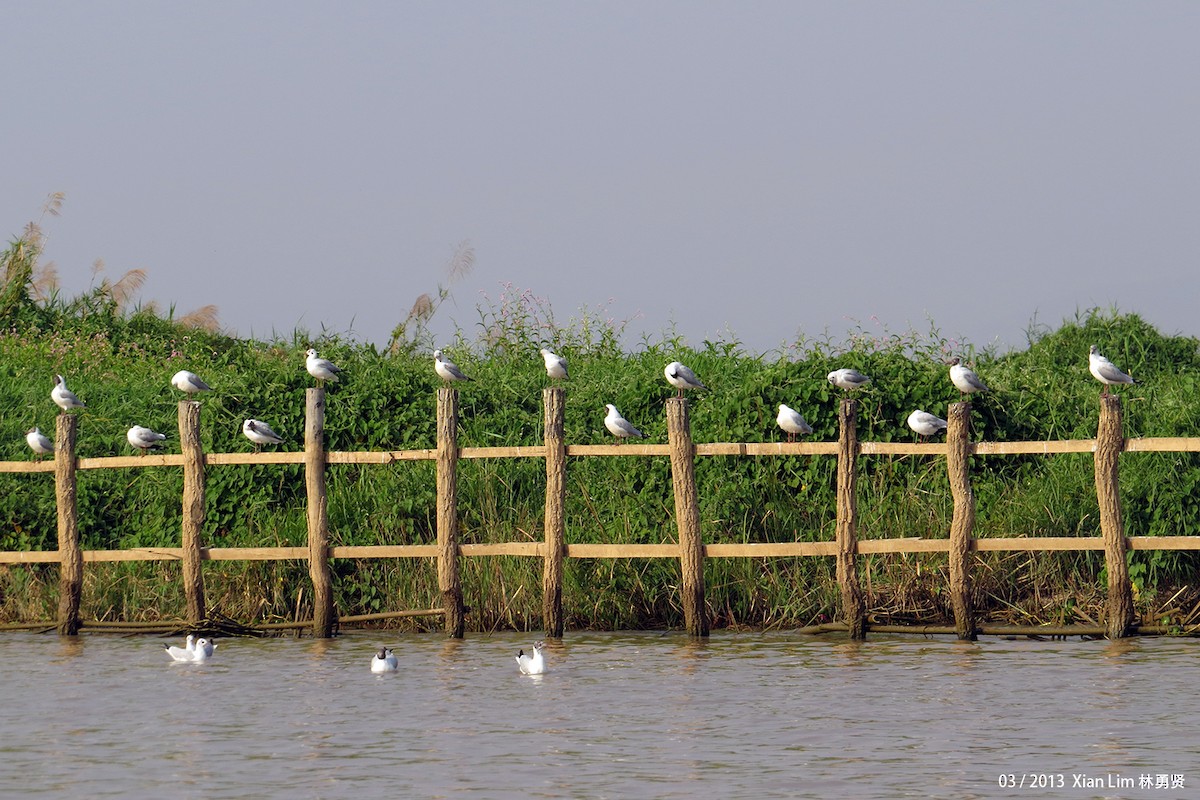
[625, 715]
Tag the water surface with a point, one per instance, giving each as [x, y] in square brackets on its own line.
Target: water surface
[618, 715]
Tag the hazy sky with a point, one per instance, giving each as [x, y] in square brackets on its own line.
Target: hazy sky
[756, 167]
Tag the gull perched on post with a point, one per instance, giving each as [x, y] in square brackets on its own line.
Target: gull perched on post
[925, 424]
[189, 382]
[1104, 370]
[63, 397]
[143, 438]
[618, 426]
[320, 368]
[682, 378]
[847, 379]
[446, 369]
[556, 365]
[792, 422]
[38, 442]
[965, 379]
[260, 433]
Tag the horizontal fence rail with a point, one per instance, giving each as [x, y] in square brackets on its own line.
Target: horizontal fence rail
[690, 549]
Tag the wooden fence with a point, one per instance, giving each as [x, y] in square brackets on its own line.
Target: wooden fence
[690, 549]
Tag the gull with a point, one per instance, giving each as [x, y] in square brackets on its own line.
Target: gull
[847, 379]
[925, 424]
[447, 370]
[63, 397]
[682, 378]
[189, 382]
[556, 365]
[384, 661]
[533, 663]
[792, 423]
[184, 653]
[196, 652]
[618, 426]
[143, 438]
[1104, 370]
[320, 368]
[203, 650]
[965, 379]
[260, 433]
[38, 442]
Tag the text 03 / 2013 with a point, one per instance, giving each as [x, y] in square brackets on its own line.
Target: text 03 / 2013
[1079, 780]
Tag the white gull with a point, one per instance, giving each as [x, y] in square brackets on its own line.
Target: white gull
[1104, 370]
[681, 377]
[618, 426]
[792, 422]
[532, 663]
[189, 382]
[143, 438]
[320, 368]
[847, 379]
[63, 397]
[925, 424]
[38, 442]
[446, 369]
[556, 365]
[964, 378]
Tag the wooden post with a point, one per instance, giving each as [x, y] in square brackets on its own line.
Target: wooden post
[958, 448]
[324, 613]
[70, 581]
[449, 580]
[555, 522]
[847, 519]
[193, 508]
[1110, 441]
[687, 516]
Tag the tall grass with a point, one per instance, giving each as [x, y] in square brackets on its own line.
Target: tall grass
[119, 360]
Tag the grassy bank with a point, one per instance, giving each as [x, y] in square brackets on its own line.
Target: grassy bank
[120, 361]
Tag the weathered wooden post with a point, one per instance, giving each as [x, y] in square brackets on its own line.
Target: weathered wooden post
[1110, 441]
[193, 508]
[958, 451]
[449, 579]
[70, 581]
[687, 516]
[324, 614]
[847, 519]
[555, 522]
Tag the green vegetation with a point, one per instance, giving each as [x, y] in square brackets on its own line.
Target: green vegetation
[119, 360]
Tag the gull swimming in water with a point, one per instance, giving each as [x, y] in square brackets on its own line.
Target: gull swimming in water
[447, 370]
[792, 422]
[38, 442]
[384, 661]
[925, 424]
[197, 651]
[143, 438]
[189, 382]
[682, 378]
[848, 379]
[556, 365]
[182, 653]
[63, 397]
[965, 379]
[1104, 370]
[532, 663]
[260, 433]
[618, 426]
[320, 368]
